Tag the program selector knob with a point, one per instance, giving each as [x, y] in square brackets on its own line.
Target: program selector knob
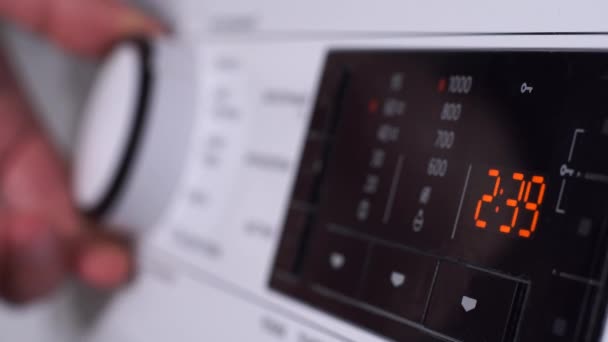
[135, 134]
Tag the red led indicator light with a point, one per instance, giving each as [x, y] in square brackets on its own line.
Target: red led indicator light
[442, 85]
[373, 106]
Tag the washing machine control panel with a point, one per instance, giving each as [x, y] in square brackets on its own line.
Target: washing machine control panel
[454, 195]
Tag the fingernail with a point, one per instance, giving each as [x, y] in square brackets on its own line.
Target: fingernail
[132, 22]
[104, 267]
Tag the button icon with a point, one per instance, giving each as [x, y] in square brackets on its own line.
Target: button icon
[468, 303]
[418, 222]
[566, 171]
[337, 260]
[526, 88]
[397, 279]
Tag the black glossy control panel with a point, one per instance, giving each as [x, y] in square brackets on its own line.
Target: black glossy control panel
[455, 196]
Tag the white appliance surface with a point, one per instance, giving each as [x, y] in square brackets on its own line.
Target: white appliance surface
[204, 267]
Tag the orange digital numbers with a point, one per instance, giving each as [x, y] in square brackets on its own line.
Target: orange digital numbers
[486, 198]
[524, 190]
[533, 206]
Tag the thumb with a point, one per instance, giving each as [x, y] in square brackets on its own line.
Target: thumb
[102, 260]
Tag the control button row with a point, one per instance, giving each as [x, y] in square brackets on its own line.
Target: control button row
[451, 299]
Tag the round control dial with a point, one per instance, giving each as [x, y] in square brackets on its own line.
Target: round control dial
[135, 133]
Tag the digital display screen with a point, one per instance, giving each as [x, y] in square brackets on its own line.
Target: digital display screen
[455, 196]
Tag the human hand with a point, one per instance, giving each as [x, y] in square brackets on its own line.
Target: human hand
[43, 238]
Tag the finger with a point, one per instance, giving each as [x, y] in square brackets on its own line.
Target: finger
[33, 261]
[85, 27]
[34, 202]
[92, 27]
[33, 176]
[15, 115]
[103, 261]
[34, 181]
